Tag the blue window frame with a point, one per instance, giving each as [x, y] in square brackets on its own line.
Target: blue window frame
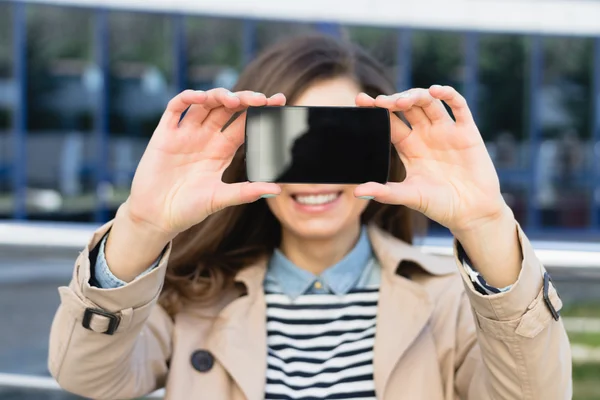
[19, 157]
[248, 48]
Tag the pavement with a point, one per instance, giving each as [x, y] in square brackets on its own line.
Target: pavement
[28, 300]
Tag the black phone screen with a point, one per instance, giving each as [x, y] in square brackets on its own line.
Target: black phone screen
[294, 144]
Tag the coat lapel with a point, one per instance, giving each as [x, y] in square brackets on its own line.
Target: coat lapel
[238, 338]
[404, 306]
[404, 309]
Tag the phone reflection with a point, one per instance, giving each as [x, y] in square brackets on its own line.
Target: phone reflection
[317, 144]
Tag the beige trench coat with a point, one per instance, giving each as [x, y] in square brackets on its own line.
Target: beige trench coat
[437, 338]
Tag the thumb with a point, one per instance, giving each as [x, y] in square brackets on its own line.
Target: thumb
[234, 194]
[397, 193]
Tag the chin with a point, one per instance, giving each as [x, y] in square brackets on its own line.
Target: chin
[318, 229]
[317, 211]
[318, 214]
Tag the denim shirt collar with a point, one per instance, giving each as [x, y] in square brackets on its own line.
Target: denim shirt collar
[339, 278]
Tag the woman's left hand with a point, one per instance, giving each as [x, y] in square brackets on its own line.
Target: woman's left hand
[450, 176]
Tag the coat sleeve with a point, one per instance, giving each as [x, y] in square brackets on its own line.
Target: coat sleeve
[130, 362]
[516, 349]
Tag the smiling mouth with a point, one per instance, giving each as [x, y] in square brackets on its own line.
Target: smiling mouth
[316, 199]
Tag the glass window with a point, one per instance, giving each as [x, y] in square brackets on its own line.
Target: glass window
[270, 32]
[502, 111]
[214, 52]
[437, 59]
[60, 148]
[7, 100]
[141, 67]
[566, 150]
[141, 75]
[381, 43]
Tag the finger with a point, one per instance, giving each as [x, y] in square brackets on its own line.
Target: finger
[197, 115]
[457, 103]
[404, 102]
[364, 100]
[399, 130]
[178, 104]
[219, 97]
[219, 118]
[277, 99]
[247, 98]
[234, 194]
[397, 193]
[434, 109]
[236, 124]
[250, 98]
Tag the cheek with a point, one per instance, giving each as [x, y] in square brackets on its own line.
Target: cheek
[357, 205]
[275, 205]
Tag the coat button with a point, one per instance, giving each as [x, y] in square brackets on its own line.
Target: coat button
[202, 360]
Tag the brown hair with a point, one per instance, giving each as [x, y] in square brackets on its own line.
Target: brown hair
[206, 257]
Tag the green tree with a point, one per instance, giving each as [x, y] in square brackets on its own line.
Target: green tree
[53, 34]
[214, 41]
[502, 90]
[437, 58]
[568, 67]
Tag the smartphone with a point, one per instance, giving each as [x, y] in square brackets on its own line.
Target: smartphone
[295, 144]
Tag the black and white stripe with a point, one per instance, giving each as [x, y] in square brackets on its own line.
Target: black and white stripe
[321, 346]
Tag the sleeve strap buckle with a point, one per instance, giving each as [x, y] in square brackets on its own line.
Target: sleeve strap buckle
[553, 311]
[113, 320]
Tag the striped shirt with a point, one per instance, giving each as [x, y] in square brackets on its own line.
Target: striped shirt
[320, 346]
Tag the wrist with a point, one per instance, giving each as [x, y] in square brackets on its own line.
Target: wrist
[501, 216]
[133, 246]
[151, 233]
[493, 248]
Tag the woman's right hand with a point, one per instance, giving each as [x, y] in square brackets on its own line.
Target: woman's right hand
[178, 182]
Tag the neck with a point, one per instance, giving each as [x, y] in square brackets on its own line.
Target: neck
[316, 255]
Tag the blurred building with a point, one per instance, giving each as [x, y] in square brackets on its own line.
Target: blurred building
[83, 84]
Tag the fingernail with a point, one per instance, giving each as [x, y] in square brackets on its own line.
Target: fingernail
[404, 95]
[266, 196]
[199, 91]
[366, 197]
[436, 86]
[257, 94]
[231, 94]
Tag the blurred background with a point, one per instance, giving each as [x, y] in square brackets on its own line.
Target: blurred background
[83, 84]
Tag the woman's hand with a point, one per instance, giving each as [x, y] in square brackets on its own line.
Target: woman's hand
[450, 178]
[178, 182]
[449, 174]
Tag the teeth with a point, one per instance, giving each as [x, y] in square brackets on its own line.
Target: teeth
[317, 199]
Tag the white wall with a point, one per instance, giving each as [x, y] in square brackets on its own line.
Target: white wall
[573, 17]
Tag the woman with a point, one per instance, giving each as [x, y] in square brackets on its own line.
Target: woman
[310, 291]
